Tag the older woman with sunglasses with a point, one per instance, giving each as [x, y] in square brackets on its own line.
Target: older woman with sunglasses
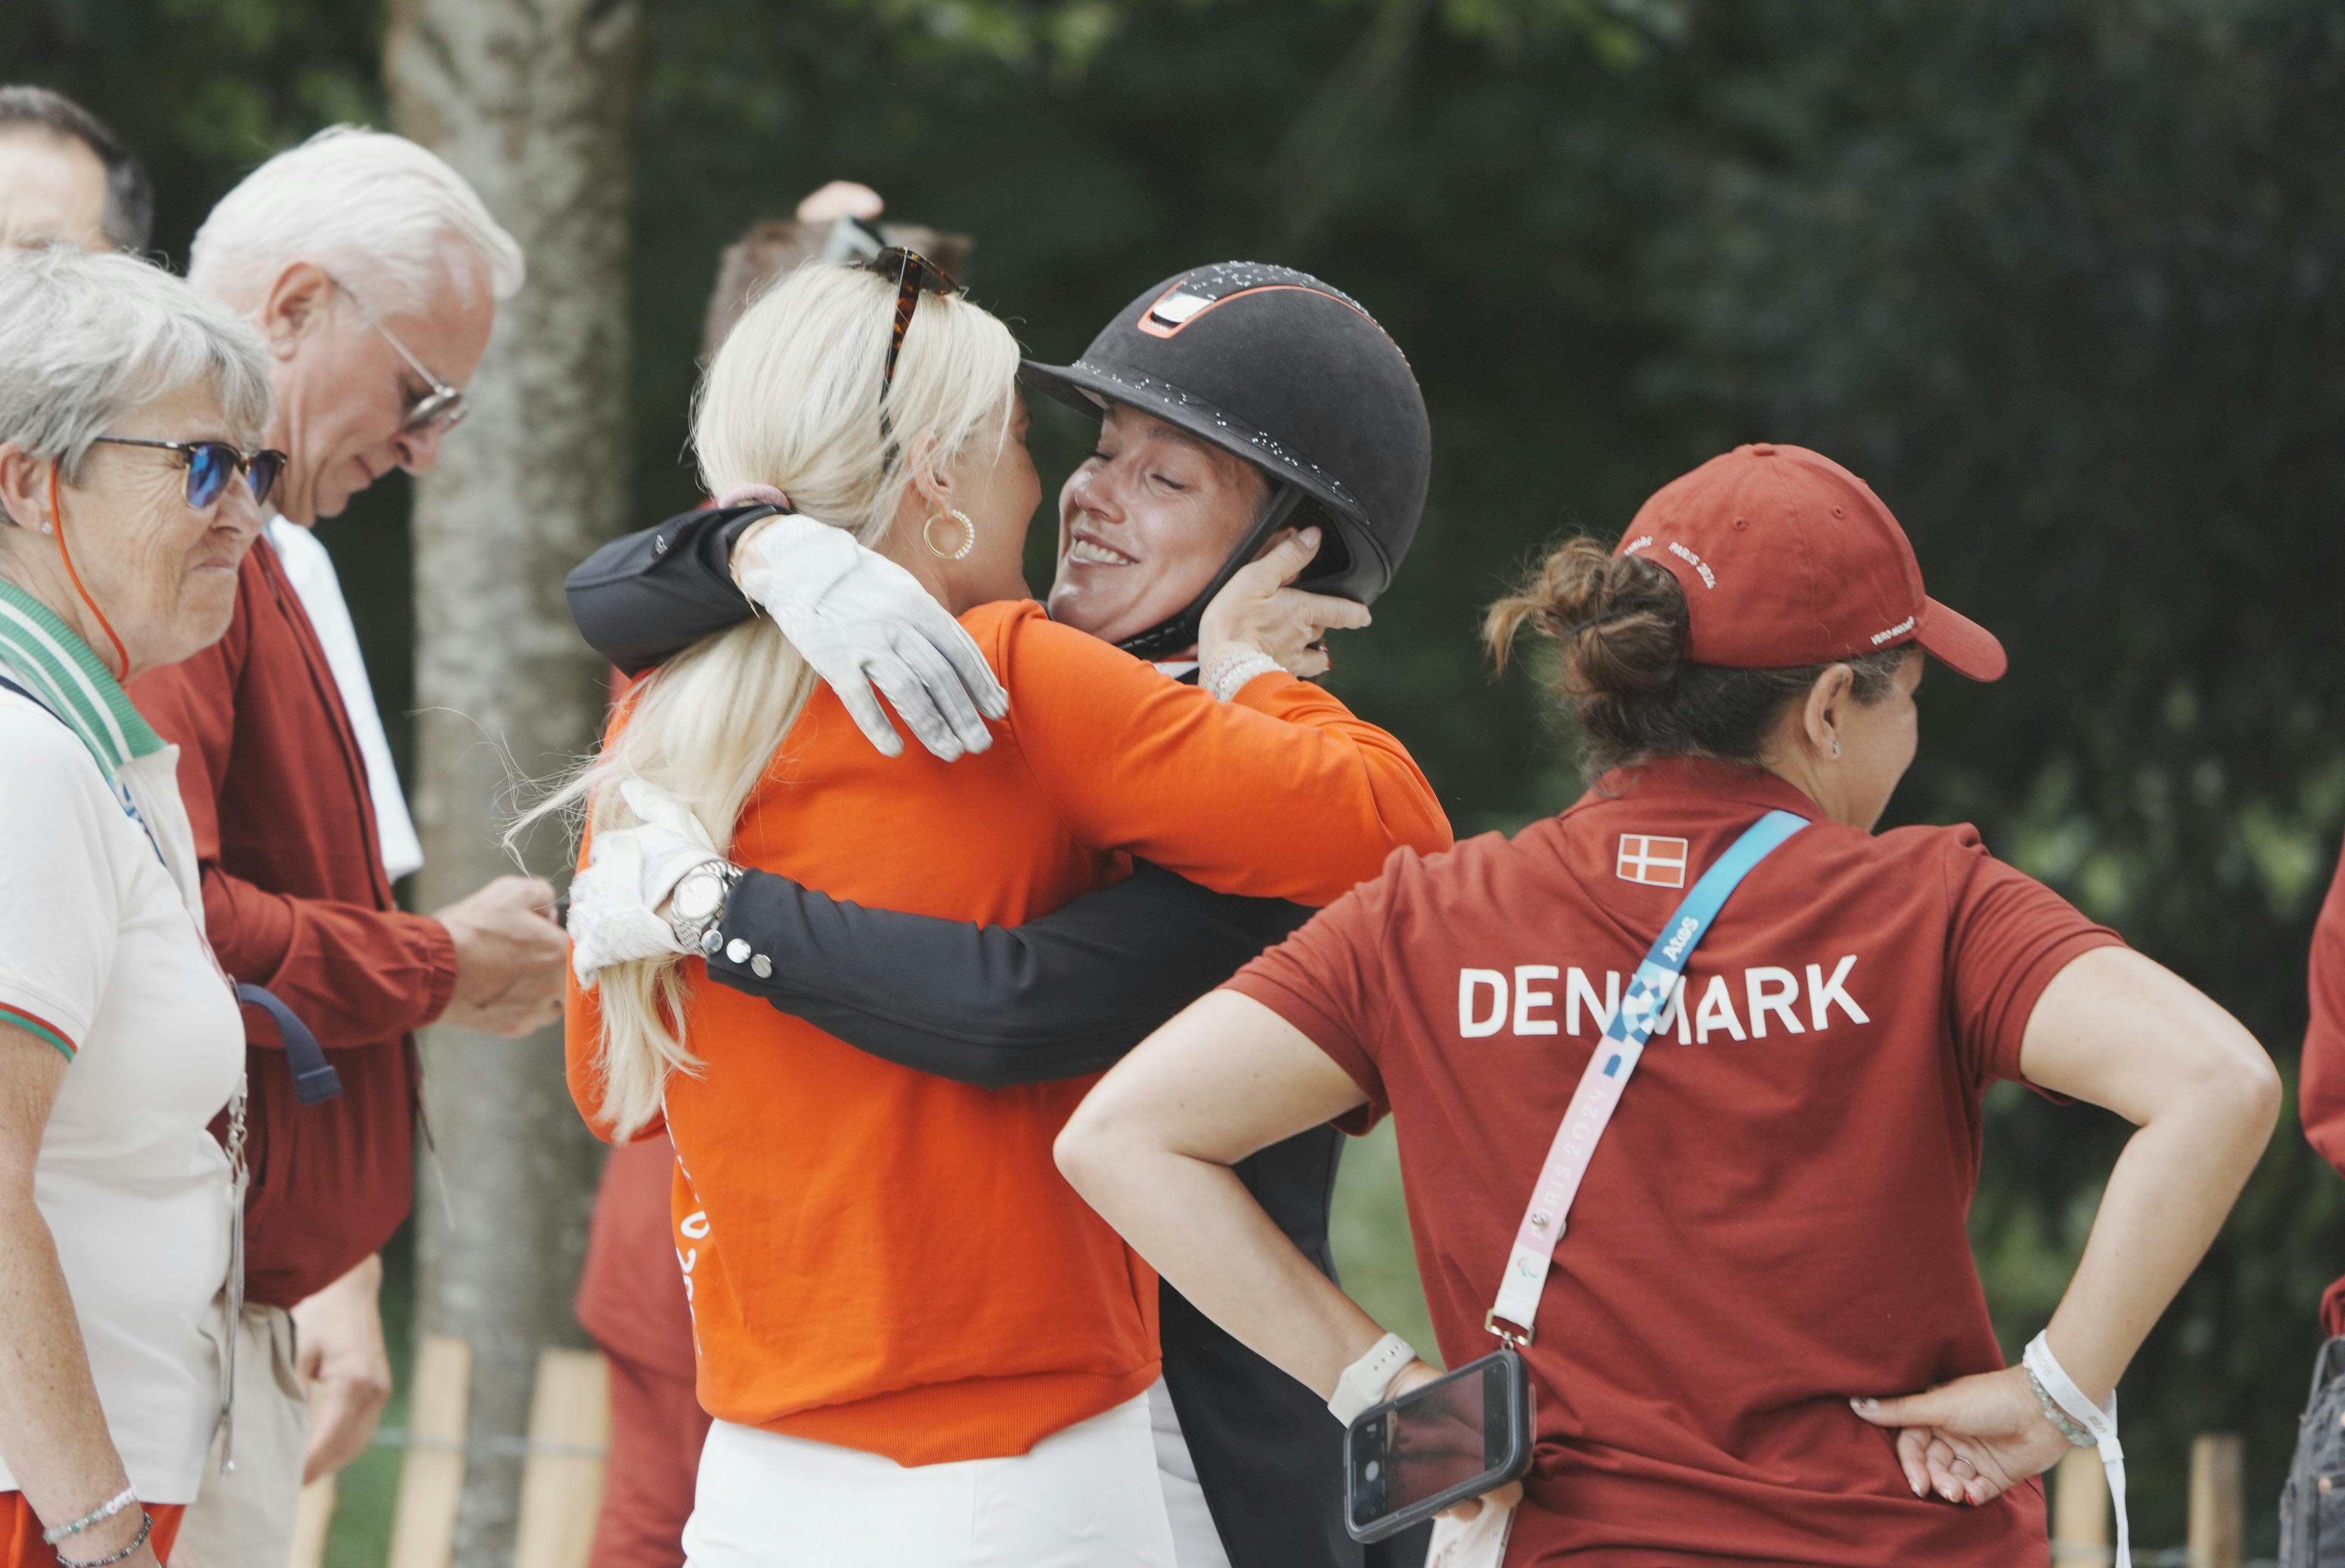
[128, 409]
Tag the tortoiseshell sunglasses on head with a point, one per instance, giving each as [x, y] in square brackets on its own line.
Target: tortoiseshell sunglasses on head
[914, 275]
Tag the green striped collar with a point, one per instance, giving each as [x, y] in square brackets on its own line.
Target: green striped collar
[41, 654]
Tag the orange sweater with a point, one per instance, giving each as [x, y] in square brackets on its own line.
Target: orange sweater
[890, 1261]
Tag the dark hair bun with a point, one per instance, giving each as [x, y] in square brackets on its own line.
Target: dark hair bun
[1623, 626]
[1621, 622]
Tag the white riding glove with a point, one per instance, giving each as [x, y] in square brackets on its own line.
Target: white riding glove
[862, 620]
[615, 902]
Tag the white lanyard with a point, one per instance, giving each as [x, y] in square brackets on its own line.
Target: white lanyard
[2099, 1422]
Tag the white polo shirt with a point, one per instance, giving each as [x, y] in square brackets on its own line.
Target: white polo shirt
[102, 954]
[320, 588]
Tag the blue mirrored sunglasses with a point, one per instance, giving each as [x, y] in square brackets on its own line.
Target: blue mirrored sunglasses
[211, 464]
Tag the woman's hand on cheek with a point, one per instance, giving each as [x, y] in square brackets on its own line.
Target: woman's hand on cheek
[1971, 1439]
[1256, 610]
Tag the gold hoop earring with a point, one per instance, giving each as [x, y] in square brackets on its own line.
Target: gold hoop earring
[968, 534]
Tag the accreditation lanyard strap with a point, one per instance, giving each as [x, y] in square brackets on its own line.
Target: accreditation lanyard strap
[1598, 1094]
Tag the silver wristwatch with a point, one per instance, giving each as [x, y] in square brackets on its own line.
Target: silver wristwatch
[698, 903]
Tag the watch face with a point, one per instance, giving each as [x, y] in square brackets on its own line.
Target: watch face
[697, 896]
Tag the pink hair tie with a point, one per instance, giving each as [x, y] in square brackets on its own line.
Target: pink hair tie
[754, 494]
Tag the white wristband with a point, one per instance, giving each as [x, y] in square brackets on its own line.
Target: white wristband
[1229, 675]
[1366, 1381]
[2099, 1420]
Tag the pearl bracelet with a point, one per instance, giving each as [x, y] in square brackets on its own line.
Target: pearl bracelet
[1228, 674]
[98, 1515]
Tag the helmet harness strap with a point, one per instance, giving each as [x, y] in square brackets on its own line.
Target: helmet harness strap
[1169, 639]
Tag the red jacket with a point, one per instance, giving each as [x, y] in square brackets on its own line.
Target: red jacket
[296, 900]
[2321, 1092]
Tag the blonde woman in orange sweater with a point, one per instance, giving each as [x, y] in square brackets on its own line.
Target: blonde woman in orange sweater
[920, 1346]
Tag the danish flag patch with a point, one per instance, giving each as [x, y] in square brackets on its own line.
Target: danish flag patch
[1654, 862]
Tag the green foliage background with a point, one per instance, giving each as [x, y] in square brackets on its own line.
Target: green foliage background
[2062, 277]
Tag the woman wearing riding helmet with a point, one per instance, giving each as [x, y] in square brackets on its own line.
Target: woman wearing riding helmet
[1768, 1246]
[1234, 400]
[919, 1345]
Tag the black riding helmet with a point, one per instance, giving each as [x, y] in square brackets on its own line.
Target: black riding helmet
[1293, 376]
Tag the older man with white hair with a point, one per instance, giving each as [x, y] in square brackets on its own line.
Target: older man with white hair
[373, 272]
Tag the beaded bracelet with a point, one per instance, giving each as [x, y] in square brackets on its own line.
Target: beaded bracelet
[145, 1528]
[1231, 672]
[2076, 1435]
[99, 1516]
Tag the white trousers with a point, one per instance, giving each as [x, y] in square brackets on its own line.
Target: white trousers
[1196, 1543]
[1087, 1497]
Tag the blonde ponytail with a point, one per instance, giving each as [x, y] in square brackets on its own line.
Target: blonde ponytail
[791, 401]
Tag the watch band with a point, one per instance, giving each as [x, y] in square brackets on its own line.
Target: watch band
[1368, 1380]
[691, 930]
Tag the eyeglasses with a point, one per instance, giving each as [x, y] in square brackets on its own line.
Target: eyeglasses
[443, 407]
[914, 275]
[211, 464]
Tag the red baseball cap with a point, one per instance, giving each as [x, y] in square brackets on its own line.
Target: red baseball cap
[1789, 558]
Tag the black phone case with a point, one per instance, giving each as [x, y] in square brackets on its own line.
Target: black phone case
[1517, 1462]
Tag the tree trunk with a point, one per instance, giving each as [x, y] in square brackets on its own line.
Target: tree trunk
[533, 101]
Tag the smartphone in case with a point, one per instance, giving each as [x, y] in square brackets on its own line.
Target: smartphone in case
[1464, 1434]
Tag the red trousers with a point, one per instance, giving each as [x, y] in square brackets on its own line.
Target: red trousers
[657, 1428]
[20, 1532]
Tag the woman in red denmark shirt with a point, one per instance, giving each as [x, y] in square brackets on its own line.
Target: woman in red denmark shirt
[1771, 1230]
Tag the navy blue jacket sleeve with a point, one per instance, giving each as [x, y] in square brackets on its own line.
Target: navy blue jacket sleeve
[647, 596]
[1066, 994]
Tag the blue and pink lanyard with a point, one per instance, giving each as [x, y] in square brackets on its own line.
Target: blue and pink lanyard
[1609, 1071]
